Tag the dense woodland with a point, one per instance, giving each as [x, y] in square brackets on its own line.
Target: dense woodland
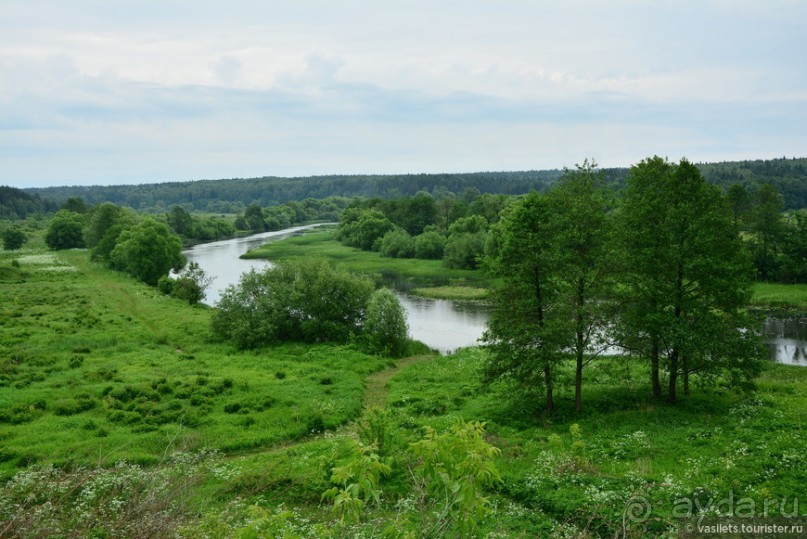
[788, 175]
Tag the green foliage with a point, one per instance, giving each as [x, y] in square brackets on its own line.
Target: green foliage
[687, 275]
[429, 245]
[385, 330]
[13, 238]
[457, 466]
[147, 251]
[18, 204]
[397, 244]
[363, 228]
[356, 483]
[190, 286]
[65, 231]
[464, 250]
[254, 218]
[308, 301]
[527, 331]
[105, 223]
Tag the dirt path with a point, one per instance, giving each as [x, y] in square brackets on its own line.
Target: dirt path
[376, 392]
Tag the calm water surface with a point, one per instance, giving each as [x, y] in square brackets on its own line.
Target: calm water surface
[442, 324]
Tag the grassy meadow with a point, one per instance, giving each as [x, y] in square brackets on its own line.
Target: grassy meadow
[110, 370]
[453, 283]
[120, 417]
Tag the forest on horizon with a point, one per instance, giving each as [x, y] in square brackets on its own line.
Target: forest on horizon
[788, 175]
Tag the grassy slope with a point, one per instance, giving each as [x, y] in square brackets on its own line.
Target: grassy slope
[111, 370]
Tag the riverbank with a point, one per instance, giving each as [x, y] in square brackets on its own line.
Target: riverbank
[777, 296]
[428, 278]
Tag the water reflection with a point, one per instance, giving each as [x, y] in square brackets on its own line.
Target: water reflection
[786, 338]
[442, 324]
[221, 258]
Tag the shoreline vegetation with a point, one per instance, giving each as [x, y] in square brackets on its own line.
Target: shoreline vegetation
[431, 279]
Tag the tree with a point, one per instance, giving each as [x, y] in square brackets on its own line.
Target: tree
[363, 228]
[581, 206]
[687, 276]
[397, 244]
[768, 229]
[75, 204]
[306, 301]
[190, 286]
[525, 335]
[181, 221]
[429, 245]
[254, 218]
[65, 231]
[385, 329]
[465, 243]
[105, 223]
[13, 238]
[148, 251]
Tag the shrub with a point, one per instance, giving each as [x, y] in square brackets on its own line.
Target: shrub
[385, 330]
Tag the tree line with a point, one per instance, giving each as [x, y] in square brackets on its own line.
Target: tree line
[789, 176]
[659, 269]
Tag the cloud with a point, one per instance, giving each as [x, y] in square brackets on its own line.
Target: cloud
[181, 90]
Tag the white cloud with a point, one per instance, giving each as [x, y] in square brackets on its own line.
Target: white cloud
[181, 90]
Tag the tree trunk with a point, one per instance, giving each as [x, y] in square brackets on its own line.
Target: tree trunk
[578, 384]
[685, 368]
[550, 402]
[673, 377]
[580, 344]
[654, 369]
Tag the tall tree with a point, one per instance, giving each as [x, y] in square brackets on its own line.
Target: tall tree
[581, 208]
[768, 229]
[525, 335]
[688, 275]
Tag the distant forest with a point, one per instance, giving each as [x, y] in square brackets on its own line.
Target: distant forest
[788, 175]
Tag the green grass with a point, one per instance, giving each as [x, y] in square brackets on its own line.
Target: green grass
[792, 296]
[110, 370]
[96, 368]
[457, 292]
[724, 442]
[324, 244]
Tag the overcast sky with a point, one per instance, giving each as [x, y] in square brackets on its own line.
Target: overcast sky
[141, 91]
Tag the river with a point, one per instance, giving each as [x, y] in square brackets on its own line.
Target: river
[441, 324]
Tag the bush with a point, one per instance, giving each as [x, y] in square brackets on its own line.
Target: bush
[397, 244]
[305, 301]
[13, 238]
[385, 330]
[65, 231]
[429, 245]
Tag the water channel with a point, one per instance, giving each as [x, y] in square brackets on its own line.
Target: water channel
[441, 324]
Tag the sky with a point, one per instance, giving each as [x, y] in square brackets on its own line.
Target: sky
[101, 92]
